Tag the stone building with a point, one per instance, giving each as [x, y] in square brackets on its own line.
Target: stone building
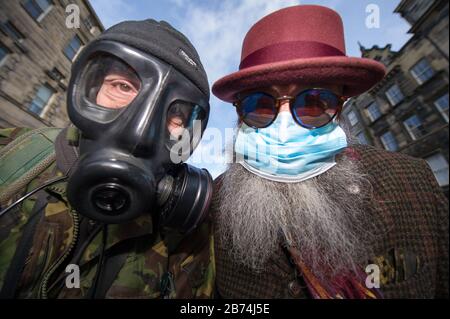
[37, 48]
[408, 111]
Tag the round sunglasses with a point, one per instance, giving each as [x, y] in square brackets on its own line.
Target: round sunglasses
[311, 108]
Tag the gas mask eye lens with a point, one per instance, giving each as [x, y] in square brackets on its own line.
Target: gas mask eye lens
[185, 122]
[109, 82]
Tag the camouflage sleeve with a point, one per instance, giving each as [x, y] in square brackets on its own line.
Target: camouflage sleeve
[8, 135]
[206, 289]
[11, 224]
[192, 265]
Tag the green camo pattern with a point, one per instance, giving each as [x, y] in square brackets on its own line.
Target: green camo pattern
[191, 262]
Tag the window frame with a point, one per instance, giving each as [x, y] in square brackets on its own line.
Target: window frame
[390, 98]
[435, 172]
[69, 46]
[368, 108]
[12, 31]
[417, 76]
[56, 74]
[7, 51]
[358, 136]
[354, 116]
[438, 107]
[46, 103]
[42, 12]
[89, 23]
[385, 144]
[412, 130]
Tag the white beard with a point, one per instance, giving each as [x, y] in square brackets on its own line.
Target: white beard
[324, 218]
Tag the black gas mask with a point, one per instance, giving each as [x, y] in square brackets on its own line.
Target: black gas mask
[140, 119]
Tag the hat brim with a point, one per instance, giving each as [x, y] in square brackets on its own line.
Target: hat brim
[357, 75]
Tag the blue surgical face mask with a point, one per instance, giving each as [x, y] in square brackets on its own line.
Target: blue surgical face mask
[287, 152]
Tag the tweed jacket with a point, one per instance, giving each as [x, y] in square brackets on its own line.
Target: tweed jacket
[411, 247]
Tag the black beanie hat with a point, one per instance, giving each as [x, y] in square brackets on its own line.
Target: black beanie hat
[161, 40]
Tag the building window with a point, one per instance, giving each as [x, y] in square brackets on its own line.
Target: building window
[389, 142]
[73, 47]
[12, 31]
[374, 111]
[394, 95]
[56, 75]
[3, 53]
[352, 118]
[414, 127]
[442, 106]
[88, 23]
[41, 99]
[38, 8]
[422, 71]
[362, 138]
[439, 166]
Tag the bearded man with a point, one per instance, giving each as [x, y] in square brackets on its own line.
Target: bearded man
[304, 212]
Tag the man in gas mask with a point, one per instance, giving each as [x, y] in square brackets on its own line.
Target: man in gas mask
[106, 208]
[305, 213]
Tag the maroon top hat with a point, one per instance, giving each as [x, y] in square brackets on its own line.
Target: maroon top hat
[299, 44]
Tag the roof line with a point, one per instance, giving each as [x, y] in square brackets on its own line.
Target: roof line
[88, 4]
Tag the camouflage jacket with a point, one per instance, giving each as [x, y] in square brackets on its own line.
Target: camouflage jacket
[147, 267]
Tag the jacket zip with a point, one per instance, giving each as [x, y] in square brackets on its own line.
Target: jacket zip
[36, 280]
[43, 287]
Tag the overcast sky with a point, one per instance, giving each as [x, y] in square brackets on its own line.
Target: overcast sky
[217, 28]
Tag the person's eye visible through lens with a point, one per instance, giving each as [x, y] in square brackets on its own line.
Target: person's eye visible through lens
[175, 125]
[117, 91]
